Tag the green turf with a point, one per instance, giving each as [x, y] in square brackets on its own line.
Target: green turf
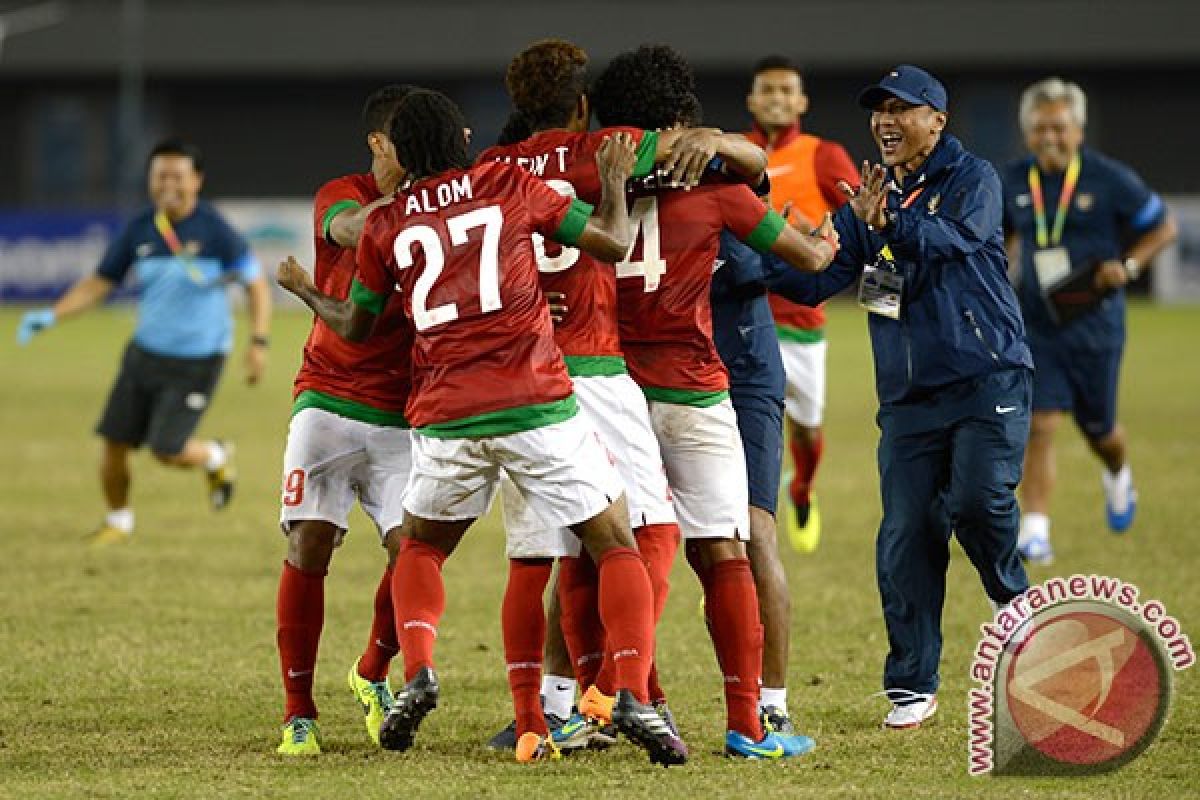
[150, 670]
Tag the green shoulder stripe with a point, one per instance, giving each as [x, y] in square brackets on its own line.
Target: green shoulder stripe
[333, 211]
[572, 225]
[685, 397]
[348, 408]
[647, 149]
[766, 232]
[368, 299]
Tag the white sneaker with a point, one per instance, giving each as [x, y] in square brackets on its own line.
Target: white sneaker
[1036, 550]
[917, 708]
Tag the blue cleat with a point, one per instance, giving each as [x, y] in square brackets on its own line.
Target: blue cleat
[773, 745]
[1120, 499]
[1036, 550]
[1119, 522]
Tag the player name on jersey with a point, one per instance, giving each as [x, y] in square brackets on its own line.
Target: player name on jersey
[445, 194]
[537, 164]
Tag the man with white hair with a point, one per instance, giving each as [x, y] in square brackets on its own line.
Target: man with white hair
[1079, 226]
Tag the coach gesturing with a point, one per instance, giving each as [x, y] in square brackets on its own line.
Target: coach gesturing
[922, 235]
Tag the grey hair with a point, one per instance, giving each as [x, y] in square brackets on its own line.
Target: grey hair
[1053, 90]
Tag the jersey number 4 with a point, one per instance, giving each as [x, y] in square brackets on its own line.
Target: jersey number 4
[651, 266]
[491, 219]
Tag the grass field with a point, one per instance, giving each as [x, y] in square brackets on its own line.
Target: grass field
[150, 669]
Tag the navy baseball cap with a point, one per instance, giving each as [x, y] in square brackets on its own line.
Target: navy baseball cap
[909, 83]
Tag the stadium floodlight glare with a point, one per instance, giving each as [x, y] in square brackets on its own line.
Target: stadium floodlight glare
[30, 18]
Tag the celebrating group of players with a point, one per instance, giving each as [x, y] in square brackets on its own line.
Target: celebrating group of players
[437, 375]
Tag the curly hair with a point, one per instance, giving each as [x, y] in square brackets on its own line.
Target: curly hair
[652, 87]
[428, 131]
[545, 81]
[517, 128]
[381, 104]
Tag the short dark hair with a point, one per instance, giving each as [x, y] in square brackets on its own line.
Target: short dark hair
[175, 146]
[652, 87]
[545, 81]
[778, 62]
[381, 104]
[428, 131]
[517, 128]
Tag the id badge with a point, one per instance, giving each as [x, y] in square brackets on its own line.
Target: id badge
[880, 291]
[1051, 265]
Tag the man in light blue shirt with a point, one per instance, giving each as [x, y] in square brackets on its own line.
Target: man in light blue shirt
[183, 255]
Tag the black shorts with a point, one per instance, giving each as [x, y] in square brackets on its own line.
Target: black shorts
[158, 400]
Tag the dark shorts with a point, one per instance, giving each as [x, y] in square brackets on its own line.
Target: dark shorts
[760, 423]
[158, 400]
[1083, 382]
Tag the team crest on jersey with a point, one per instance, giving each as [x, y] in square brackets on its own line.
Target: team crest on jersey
[1084, 201]
[935, 203]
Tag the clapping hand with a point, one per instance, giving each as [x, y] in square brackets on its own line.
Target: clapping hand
[870, 200]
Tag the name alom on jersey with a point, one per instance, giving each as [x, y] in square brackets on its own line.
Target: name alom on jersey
[429, 199]
[537, 164]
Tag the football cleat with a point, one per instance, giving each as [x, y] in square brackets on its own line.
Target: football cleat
[1120, 500]
[571, 734]
[221, 480]
[773, 745]
[507, 738]
[912, 711]
[410, 706]
[596, 705]
[301, 737]
[1036, 550]
[375, 698]
[776, 720]
[642, 725]
[107, 534]
[533, 747]
[803, 525]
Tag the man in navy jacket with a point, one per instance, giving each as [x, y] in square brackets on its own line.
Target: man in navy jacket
[922, 236]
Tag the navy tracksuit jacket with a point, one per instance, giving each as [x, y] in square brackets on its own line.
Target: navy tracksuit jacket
[953, 378]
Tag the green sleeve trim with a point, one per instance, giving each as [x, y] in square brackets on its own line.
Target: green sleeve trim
[685, 397]
[595, 366]
[572, 225]
[366, 298]
[787, 333]
[333, 211]
[349, 409]
[647, 150]
[504, 422]
[766, 232]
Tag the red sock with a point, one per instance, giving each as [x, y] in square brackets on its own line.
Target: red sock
[731, 603]
[299, 615]
[805, 459]
[579, 617]
[381, 646]
[418, 600]
[658, 545]
[627, 609]
[523, 622]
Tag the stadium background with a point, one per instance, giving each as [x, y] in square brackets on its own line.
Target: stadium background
[169, 643]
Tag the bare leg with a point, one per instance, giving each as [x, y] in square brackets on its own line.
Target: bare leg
[1038, 483]
[195, 453]
[1110, 449]
[114, 474]
[774, 599]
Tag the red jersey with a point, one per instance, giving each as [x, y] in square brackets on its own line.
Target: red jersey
[663, 287]
[459, 248]
[566, 161]
[804, 171]
[364, 380]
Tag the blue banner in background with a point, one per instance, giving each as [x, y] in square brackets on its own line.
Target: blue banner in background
[41, 254]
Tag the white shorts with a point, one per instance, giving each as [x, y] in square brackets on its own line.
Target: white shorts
[331, 461]
[805, 368]
[561, 474]
[616, 407]
[706, 467]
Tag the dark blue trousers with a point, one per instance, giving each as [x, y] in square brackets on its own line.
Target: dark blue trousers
[947, 464]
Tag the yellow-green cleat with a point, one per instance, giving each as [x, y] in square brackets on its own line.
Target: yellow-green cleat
[301, 737]
[804, 534]
[107, 534]
[375, 699]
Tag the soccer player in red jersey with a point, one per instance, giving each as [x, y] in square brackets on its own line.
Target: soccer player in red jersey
[348, 439]
[663, 289]
[547, 83]
[491, 393]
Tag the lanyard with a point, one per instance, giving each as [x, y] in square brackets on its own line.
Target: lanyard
[912, 198]
[1070, 181]
[163, 223]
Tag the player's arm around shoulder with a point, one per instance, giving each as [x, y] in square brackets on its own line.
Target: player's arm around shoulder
[607, 233]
